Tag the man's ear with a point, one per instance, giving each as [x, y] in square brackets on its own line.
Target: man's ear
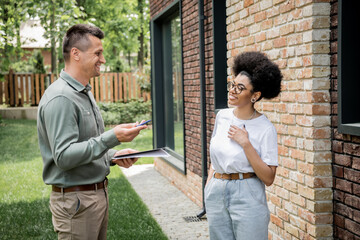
[75, 54]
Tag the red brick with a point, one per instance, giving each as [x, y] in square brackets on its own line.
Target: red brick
[288, 28]
[356, 189]
[343, 234]
[297, 154]
[247, 3]
[260, 37]
[352, 201]
[338, 171]
[356, 216]
[337, 146]
[352, 175]
[339, 195]
[343, 160]
[352, 226]
[287, 119]
[260, 16]
[352, 149]
[275, 200]
[277, 221]
[343, 185]
[339, 220]
[290, 141]
[287, 6]
[266, 24]
[343, 210]
[306, 215]
[280, 42]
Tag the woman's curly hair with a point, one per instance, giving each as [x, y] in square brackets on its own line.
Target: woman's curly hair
[265, 76]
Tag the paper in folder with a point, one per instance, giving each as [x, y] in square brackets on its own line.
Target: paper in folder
[159, 152]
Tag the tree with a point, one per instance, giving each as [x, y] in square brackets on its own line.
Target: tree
[125, 23]
[62, 15]
[12, 14]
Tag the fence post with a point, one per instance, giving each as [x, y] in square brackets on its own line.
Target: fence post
[12, 89]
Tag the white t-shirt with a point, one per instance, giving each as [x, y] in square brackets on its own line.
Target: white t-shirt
[227, 156]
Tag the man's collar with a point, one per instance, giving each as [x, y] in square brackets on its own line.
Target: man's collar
[74, 83]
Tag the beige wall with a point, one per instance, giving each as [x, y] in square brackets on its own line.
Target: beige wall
[295, 34]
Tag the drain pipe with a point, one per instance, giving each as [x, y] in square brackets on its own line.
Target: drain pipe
[202, 103]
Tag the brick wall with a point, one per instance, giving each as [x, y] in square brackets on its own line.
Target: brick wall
[191, 183]
[295, 34]
[156, 6]
[346, 158]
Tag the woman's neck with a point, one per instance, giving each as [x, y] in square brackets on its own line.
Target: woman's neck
[245, 114]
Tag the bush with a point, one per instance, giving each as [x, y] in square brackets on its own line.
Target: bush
[117, 113]
[34, 64]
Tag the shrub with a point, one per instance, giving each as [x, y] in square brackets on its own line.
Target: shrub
[117, 113]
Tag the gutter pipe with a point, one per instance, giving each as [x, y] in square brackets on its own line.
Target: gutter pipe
[202, 102]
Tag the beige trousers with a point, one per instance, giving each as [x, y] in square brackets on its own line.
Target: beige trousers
[80, 215]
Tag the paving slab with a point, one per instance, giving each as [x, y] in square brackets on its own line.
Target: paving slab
[168, 205]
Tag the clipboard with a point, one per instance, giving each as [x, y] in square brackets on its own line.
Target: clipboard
[159, 152]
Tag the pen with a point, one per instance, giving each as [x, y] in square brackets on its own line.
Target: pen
[143, 123]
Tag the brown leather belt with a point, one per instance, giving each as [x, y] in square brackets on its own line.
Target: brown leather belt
[89, 187]
[234, 176]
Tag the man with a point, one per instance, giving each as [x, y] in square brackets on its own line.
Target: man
[75, 149]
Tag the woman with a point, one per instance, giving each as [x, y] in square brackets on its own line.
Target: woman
[243, 152]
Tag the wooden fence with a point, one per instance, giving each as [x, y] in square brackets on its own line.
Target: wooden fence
[20, 89]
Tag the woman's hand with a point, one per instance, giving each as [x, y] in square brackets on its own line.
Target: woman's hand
[239, 135]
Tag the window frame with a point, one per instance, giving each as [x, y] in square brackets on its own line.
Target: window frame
[348, 118]
[219, 56]
[158, 80]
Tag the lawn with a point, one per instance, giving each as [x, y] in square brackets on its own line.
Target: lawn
[24, 198]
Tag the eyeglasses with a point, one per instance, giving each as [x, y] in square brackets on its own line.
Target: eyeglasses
[237, 87]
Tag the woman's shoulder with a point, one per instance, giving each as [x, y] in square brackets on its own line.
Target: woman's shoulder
[265, 124]
[225, 112]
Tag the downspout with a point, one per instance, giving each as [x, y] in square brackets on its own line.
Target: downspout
[202, 103]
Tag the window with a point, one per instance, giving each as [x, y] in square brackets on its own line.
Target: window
[220, 50]
[167, 84]
[348, 62]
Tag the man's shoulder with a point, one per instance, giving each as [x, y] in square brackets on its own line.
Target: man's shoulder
[59, 89]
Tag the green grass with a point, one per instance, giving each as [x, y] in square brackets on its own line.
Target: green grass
[24, 198]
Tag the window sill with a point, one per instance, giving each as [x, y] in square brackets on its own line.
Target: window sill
[350, 128]
[176, 160]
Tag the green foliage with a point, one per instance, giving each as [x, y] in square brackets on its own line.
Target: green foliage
[34, 64]
[143, 79]
[12, 14]
[122, 21]
[117, 113]
[38, 62]
[118, 65]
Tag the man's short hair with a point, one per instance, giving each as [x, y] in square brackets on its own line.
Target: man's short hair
[78, 36]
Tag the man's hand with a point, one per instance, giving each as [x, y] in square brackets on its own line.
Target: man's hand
[126, 162]
[127, 132]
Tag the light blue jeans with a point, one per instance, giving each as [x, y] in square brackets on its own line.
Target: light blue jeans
[237, 209]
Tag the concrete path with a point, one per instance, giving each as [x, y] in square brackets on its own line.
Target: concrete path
[167, 204]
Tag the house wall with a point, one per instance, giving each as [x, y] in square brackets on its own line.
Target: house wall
[346, 158]
[44, 52]
[295, 34]
[191, 183]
